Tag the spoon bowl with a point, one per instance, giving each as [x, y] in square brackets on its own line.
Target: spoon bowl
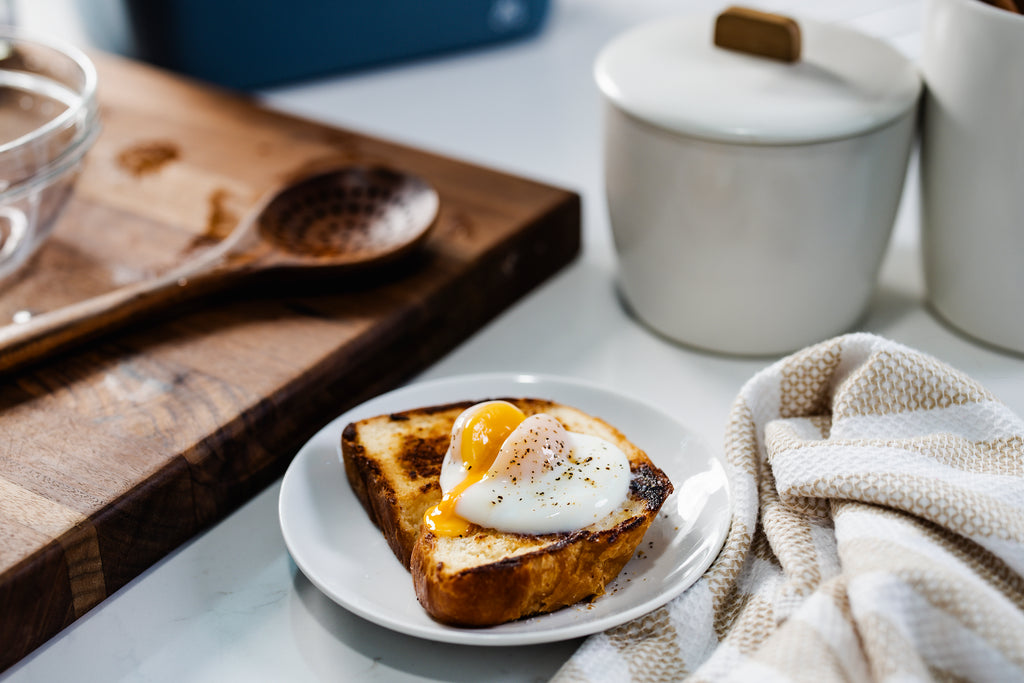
[353, 216]
[335, 221]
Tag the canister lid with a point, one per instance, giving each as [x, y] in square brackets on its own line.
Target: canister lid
[671, 74]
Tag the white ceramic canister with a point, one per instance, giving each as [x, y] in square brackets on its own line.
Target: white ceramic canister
[972, 169]
[752, 200]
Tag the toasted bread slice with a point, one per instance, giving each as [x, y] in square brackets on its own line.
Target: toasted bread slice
[489, 577]
[393, 463]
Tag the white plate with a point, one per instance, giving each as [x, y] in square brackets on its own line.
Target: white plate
[343, 554]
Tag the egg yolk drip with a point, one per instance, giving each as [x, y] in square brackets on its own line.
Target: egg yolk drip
[482, 435]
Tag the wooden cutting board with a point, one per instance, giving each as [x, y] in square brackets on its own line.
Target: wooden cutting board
[116, 453]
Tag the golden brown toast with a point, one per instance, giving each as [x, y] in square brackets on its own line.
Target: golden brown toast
[488, 577]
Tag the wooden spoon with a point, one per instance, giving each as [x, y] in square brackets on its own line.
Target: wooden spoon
[331, 222]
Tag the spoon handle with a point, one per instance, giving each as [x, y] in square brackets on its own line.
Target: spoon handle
[52, 332]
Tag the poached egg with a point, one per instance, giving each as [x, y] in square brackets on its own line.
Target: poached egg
[518, 474]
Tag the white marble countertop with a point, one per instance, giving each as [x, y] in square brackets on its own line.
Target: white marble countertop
[230, 604]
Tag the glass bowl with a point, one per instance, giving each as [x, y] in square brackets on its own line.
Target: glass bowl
[49, 119]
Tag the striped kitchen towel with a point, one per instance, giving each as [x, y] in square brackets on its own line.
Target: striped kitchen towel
[878, 534]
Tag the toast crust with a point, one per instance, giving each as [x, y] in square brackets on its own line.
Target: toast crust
[489, 577]
[561, 570]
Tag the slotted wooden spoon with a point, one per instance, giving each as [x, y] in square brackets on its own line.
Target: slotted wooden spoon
[334, 221]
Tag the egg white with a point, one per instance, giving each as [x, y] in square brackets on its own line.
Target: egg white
[544, 480]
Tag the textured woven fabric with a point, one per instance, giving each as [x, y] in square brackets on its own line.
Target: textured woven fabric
[878, 534]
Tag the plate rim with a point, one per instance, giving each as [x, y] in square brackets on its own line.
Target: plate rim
[448, 634]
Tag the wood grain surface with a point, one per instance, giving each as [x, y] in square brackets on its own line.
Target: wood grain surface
[114, 454]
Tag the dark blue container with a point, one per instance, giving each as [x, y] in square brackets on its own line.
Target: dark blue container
[252, 43]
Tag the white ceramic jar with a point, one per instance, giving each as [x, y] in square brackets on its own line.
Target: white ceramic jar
[752, 200]
[972, 169]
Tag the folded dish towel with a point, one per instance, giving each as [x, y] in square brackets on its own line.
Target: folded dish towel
[878, 534]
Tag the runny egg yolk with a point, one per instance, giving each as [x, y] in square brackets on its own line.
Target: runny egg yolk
[482, 435]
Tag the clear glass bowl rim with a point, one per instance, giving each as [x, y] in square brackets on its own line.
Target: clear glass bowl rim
[87, 92]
